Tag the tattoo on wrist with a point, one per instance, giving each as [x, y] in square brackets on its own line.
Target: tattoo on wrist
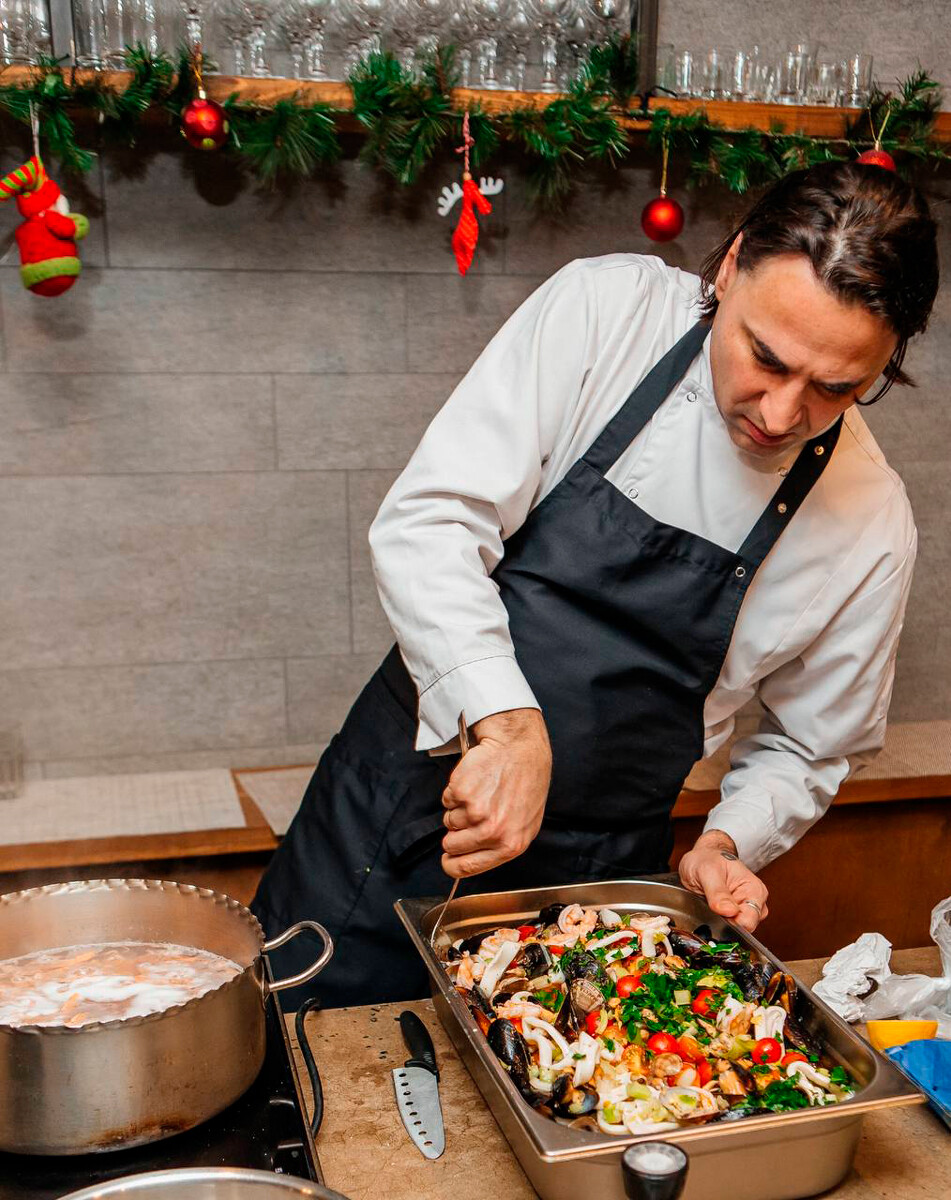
[728, 856]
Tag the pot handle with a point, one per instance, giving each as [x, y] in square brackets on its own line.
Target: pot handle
[315, 967]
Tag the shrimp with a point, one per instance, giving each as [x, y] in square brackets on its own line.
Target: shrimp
[491, 945]
[464, 977]
[514, 1009]
[575, 919]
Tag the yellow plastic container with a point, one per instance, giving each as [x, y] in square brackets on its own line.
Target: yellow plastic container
[883, 1034]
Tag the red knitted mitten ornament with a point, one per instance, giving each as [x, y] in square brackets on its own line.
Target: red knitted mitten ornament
[47, 238]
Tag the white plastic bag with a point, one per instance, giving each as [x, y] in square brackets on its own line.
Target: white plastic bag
[849, 979]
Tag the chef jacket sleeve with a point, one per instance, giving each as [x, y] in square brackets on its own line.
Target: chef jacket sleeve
[469, 485]
[825, 712]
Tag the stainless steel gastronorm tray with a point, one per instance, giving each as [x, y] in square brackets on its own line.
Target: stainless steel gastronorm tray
[776, 1156]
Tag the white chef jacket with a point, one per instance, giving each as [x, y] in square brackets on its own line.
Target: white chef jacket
[817, 634]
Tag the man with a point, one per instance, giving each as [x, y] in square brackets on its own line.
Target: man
[647, 502]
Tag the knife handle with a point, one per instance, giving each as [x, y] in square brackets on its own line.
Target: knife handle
[420, 1044]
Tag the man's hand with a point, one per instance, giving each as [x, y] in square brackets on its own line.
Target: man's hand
[713, 869]
[495, 798]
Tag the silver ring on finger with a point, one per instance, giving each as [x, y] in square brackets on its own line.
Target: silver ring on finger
[755, 906]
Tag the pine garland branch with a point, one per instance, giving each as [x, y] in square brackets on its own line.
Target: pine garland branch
[286, 141]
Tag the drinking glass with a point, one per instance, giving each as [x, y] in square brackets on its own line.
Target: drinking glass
[579, 36]
[487, 18]
[795, 73]
[362, 23]
[460, 34]
[550, 16]
[196, 13]
[764, 77]
[101, 33]
[24, 31]
[11, 764]
[303, 23]
[234, 21]
[611, 14]
[716, 71]
[686, 73]
[858, 80]
[516, 39]
[827, 82]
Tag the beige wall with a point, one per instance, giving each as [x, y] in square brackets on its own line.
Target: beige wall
[194, 440]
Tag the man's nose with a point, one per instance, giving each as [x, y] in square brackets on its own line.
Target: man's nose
[781, 407]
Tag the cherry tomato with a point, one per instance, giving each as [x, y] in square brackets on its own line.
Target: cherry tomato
[704, 1071]
[526, 931]
[766, 1050]
[662, 1043]
[517, 1022]
[791, 1057]
[701, 1002]
[591, 1022]
[558, 951]
[627, 984]
[689, 1048]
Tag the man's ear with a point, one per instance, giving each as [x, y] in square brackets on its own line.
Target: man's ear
[728, 268]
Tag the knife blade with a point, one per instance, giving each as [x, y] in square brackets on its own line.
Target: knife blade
[416, 1084]
[463, 748]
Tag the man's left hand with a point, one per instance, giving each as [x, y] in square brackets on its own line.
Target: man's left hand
[713, 869]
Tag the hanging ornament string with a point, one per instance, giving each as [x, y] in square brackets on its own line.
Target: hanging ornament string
[877, 157]
[466, 234]
[662, 218]
[35, 128]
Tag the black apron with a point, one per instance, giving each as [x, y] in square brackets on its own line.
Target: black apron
[620, 625]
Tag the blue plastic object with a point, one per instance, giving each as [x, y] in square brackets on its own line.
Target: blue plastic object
[927, 1064]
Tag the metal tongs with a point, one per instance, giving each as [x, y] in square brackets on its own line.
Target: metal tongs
[463, 747]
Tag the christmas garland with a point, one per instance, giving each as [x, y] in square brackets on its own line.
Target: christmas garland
[409, 122]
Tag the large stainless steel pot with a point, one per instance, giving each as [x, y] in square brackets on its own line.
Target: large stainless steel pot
[121, 1083]
[206, 1183]
[777, 1156]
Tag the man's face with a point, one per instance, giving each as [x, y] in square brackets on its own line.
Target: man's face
[787, 356]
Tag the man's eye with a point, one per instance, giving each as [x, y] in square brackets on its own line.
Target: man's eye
[765, 362]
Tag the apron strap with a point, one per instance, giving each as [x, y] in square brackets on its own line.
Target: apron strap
[812, 460]
[645, 400]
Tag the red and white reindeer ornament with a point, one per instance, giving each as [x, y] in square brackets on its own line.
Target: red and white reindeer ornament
[474, 199]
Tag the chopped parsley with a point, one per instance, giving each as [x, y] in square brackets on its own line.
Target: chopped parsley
[609, 1043]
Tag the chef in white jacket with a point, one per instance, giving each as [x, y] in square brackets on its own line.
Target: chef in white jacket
[651, 499]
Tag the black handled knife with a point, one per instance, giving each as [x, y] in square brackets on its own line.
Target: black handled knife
[416, 1084]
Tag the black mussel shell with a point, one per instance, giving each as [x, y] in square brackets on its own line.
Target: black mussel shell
[470, 945]
[507, 989]
[728, 959]
[534, 960]
[704, 932]
[569, 1101]
[567, 1023]
[582, 964]
[686, 944]
[799, 1037]
[550, 913]
[781, 990]
[512, 1052]
[752, 979]
[479, 1000]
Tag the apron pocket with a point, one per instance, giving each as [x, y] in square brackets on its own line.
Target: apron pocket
[410, 842]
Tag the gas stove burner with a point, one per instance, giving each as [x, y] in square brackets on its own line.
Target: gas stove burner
[266, 1130]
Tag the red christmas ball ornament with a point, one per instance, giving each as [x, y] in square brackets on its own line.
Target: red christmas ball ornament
[878, 158]
[662, 219]
[204, 123]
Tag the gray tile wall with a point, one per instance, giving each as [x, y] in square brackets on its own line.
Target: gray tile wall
[194, 440]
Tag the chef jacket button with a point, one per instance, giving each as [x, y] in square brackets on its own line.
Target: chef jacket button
[691, 396]
[820, 449]
[784, 470]
[632, 492]
[740, 572]
[781, 507]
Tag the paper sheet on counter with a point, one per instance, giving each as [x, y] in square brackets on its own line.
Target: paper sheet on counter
[103, 806]
[277, 793]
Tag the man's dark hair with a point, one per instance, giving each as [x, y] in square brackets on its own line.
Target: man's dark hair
[869, 237]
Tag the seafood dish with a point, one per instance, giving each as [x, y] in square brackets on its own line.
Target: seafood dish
[78, 985]
[626, 1024]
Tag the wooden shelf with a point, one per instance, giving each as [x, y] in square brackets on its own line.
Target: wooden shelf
[814, 120]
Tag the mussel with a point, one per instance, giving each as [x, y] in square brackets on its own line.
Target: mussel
[752, 979]
[799, 1037]
[507, 989]
[550, 913]
[685, 943]
[478, 1003]
[470, 945]
[568, 1101]
[781, 990]
[588, 982]
[567, 1022]
[535, 960]
[512, 1052]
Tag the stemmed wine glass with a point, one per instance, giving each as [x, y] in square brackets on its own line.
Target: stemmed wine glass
[488, 18]
[551, 16]
[24, 34]
[460, 34]
[235, 22]
[517, 38]
[577, 38]
[303, 23]
[361, 22]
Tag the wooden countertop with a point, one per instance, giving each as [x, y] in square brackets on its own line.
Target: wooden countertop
[365, 1152]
